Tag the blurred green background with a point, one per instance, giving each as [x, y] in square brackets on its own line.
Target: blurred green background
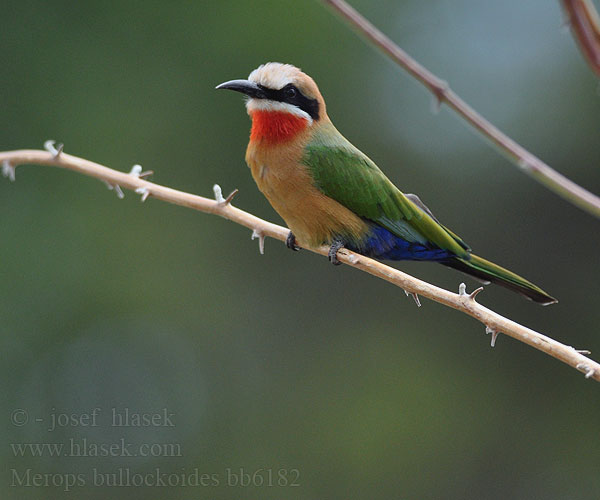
[281, 362]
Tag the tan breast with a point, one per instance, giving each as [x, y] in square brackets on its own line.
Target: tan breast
[314, 218]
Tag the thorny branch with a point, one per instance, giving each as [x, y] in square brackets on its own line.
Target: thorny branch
[464, 302]
[525, 160]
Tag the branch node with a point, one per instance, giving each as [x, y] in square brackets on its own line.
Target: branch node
[494, 333]
[8, 170]
[462, 289]
[219, 195]
[440, 94]
[136, 171]
[256, 233]
[54, 151]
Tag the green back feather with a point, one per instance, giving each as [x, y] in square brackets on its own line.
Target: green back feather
[345, 174]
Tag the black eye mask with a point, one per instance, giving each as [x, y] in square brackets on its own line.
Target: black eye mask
[291, 95]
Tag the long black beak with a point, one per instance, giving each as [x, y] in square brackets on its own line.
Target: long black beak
[245, 87]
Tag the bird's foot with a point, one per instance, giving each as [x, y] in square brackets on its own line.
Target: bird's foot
[290, 242]
[333, 250]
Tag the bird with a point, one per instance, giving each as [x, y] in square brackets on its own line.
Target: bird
[330, 193]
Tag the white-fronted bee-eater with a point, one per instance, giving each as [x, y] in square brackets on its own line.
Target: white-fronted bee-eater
[329, 192]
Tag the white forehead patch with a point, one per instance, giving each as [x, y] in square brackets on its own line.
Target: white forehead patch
[274, 75]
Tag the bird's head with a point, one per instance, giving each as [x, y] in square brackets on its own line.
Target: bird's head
[281, 100]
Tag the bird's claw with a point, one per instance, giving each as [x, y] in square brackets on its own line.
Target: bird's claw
[333, 250]
[290, 242]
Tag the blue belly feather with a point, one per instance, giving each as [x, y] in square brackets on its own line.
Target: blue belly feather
[382, 244]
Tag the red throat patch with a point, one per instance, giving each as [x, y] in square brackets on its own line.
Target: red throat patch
[275, 126]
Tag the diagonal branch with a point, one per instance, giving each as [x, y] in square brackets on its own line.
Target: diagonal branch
[526, 161]
[464, 302]
[585, 25]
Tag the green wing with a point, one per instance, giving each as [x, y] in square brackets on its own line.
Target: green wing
[348, 176]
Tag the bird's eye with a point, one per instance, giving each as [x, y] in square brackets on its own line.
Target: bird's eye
[290, 92]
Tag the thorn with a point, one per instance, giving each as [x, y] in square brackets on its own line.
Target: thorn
[54, 151]
[219, 194]
[144, 192]
[255, 234]
[414, 296]
[581, 351]
[231, 196]
[136, 170]
[475, 292]
[116, 188]
[8, 170]
[494, 337]
[589, 372]
[439, 95]
[494, 333]
[462, 291]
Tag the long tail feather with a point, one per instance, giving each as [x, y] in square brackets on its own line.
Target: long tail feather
[488, 271]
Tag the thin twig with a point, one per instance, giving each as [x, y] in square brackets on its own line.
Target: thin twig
[462, 301]
[526, 161]
[585, 25]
